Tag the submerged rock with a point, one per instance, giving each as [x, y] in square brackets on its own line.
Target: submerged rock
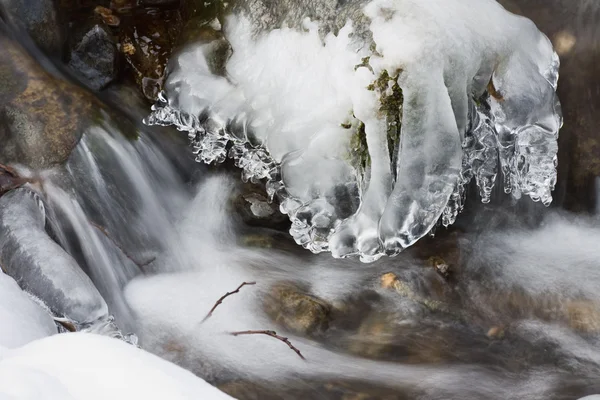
[42, 117]
[39, 265]
[296, 310]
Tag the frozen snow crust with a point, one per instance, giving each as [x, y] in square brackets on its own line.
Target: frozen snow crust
[368, 144]
[84, 366]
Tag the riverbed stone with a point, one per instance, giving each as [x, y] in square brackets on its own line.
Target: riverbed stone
[42, 117]
[296, 310]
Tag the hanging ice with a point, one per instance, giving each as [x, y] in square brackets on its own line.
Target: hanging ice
[368, 135]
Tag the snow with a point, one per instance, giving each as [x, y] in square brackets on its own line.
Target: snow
[80, 366]
[22, 320]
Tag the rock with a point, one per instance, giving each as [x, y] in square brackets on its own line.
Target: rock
[495, 332]
[376, 336]
[260, 241]
[39, 265]
[311, 388]
[10, 180]
[296, 310]
[93, 54]
[391, 281]
[583, 316]
[40, 19]
[42, 117]
[107, 16]
[159, 2]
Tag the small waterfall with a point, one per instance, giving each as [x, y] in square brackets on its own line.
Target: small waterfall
[111, 208]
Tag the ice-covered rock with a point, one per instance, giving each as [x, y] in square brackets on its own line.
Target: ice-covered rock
[22, 320]
[318, 115]
[39, 265]
[79, 366]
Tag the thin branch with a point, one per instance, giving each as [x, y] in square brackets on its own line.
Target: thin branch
[210, 313]
[65, 323]
[8, 169]
[105, 233]
[273, 334]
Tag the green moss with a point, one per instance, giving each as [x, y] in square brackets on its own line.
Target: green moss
[358, 148]
[390, 99]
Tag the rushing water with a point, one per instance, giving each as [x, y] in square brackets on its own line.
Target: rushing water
[182, 248]
[516, 316]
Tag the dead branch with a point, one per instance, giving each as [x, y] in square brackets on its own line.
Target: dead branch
[273, 334]
[68, 325]
[210, 313]
[8, 169]
[140, 265]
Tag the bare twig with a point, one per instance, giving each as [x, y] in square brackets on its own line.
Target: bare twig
[210, 313]
[273, 334]
[65, 323]
[140, 265]
[8, 169]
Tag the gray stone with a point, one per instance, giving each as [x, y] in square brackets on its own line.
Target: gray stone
[93, 55]
[39, 265]
[39, 18]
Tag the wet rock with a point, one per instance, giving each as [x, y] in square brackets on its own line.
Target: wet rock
[10, 180]
[40, 19]
[93, 54]
[147, 40]
[311, 388]
[39, 265]
[391, 281]
[42, 117]
[107, 16]
[296, 310]
[260, 241]
[495, 332]
[583, 316]
[376, 336]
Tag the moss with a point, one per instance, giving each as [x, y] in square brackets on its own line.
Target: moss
[359, 151]
[390, 100]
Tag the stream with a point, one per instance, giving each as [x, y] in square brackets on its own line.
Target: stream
[501, 302]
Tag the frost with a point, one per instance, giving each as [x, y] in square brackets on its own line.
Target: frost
[369, 143]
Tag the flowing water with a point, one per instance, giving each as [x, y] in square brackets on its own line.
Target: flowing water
[504, 305]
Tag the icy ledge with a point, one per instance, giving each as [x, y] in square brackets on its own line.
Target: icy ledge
[369, 146]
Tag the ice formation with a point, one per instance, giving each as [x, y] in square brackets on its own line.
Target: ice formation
[39, 265]
[368, 139]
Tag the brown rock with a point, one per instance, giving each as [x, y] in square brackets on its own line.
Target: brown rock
[42, 117]
[584, 316]
[296, 310]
